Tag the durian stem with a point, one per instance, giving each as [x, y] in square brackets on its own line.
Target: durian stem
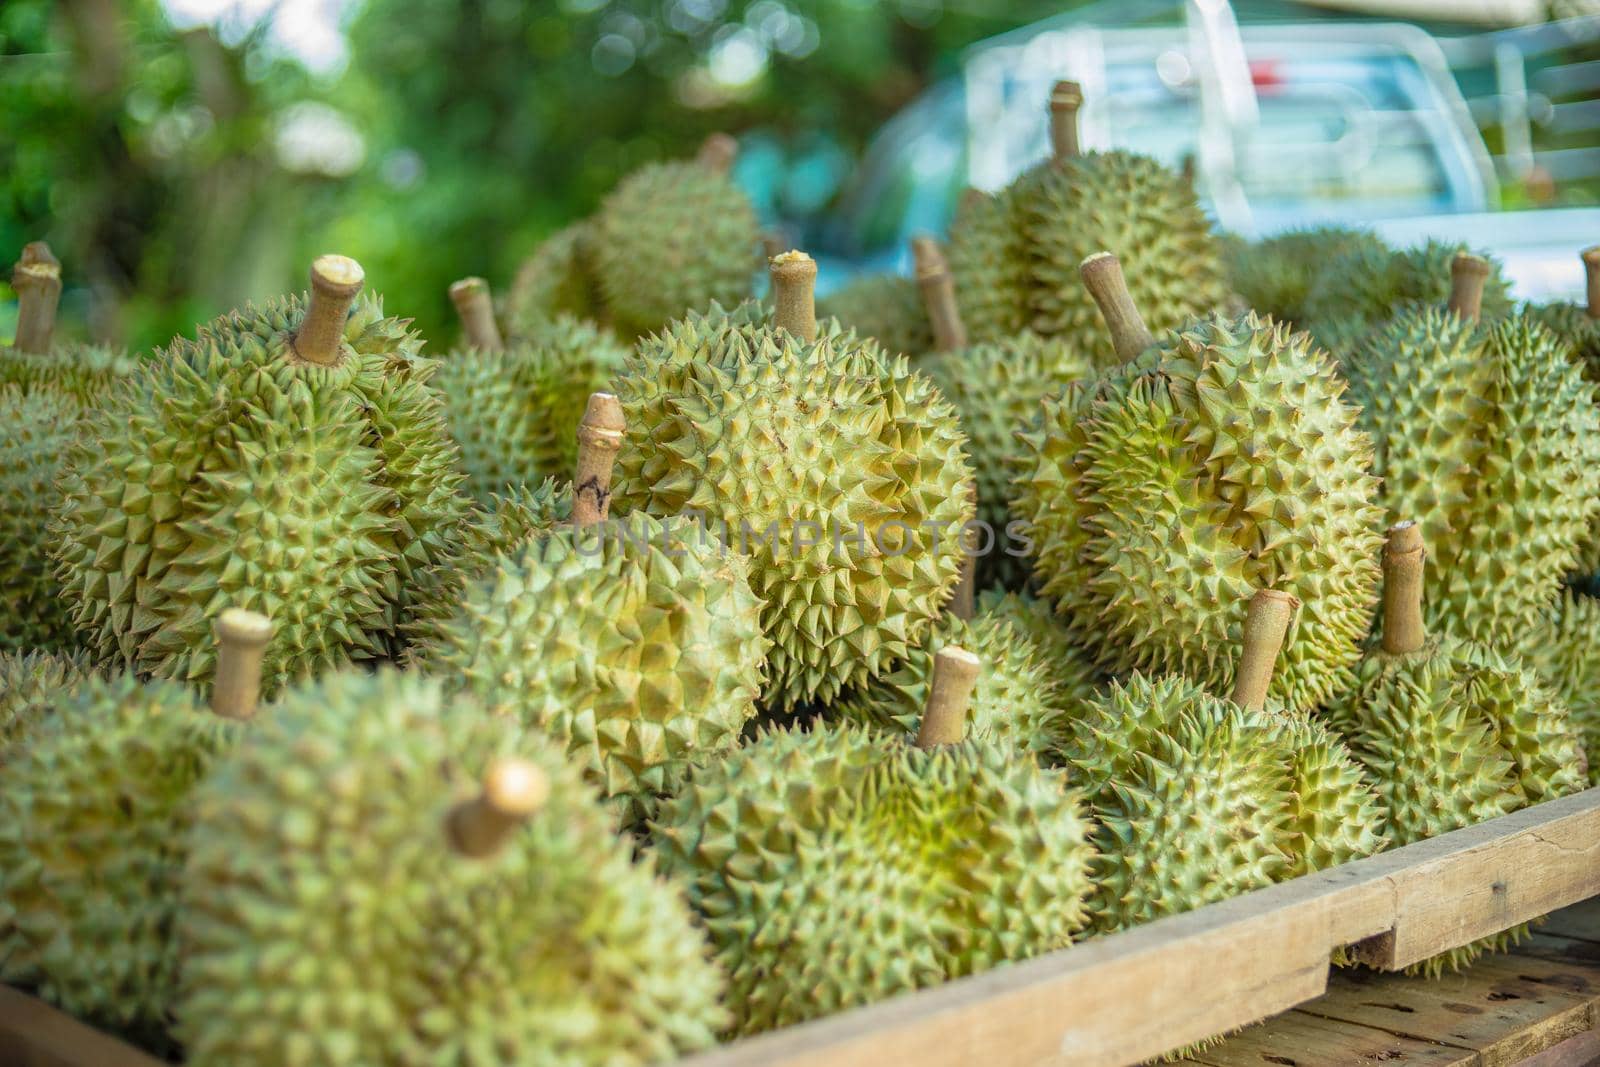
[242, 638]
[1404, 558]
[476, 310]
[513, 789]
[1468, 273]
[794, 292]
[938, 295]
[717, 153]
[37, 280]
[1265, 624]
[1591, 271]
[335, 281]
[1066, 97]
[773, 243]
[944, 719]
[1102, 276]
[964, 604]
[599, 439]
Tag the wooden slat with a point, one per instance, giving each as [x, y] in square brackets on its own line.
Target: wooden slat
[1299, 1040]
[1580, 1051]
[33, 1034]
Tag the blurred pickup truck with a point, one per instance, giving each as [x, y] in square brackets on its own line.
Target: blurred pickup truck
[1283, 124]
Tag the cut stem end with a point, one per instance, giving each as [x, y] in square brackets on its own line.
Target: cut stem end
[1591, 271]
[37, 280]
[1404, 561]
[242, 638]
[335, 283]
[1266, 622]
[475, 307]
[599, 439]
[717, 153]
[794, 292]
[938, 294]
[1102, 276]
[1468, 274]
[513, 789]
[944, 719]
[1066, 98]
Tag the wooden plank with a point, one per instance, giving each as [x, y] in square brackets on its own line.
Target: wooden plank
[1580, 1051]
[33, 1034]
[1300, 1040]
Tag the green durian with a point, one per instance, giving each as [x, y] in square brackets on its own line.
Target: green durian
[1073, 205]
[884, 307]
[1277, 275]
[511, 406]
[989, 263]
[1360, 289]
[836, 468]
[84, 373]
[1451, 733]
[93, 816]
[1564, 650]
[841, 866]
[1220, 460]
[31, 685]
[1065, 664]
[345, 904]
[289, 460]
[672, 238]
[554, 281]
[1489, 438]
[37, 431]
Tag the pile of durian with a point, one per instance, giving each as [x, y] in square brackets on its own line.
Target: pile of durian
[639, 674]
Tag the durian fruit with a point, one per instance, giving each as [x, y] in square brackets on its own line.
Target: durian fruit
[1075, 204]
[1276, 276]
[1451, 732]
[384, 877]
[837, 469]
[93, 816]
[996, 388]
[554, 282]
[1578, 325]
[1065, 664]
[31, 684]
[291, 459]
[511, 407]
[1360, 289]
[37, 430]
[1487, 436]
[674, 237]
[83, 373]
[1220, 460]
[1565, 653]
[886, 308]
[636, 643]
[989, 263]
[840, 866]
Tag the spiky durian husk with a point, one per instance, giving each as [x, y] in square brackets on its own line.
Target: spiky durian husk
[1068, 669]
[997, 388]
[1335, 809]
[31, 685]
[776, 442]
[672, 238]
[498, 528]
[1161, 497]
[512, 412]
[84, 373]
[842, 866]
[1277, 275]
[1487, 437]
[1565, 652]
[1133, 206]
[1363, 287]
[92, 821]
[1573, 327]
[637, 644]
[234, 474]
[37, 430]
[552, 282]
[989, 263]
[1014, 703]
[886, 308]
[320, 886]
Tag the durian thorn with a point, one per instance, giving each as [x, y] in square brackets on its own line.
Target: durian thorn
[938, 294]
[1591, 271]
[944, 719]
[476, 310]
[1468, 273]
[335, 281]
[794, 292]
[599, 439]
[963, 604]
[1066, 97]
[37, 280]
[242, 638]
[513, 789]
[1404, 559]
[1102, 276]
[1266, 622]
[717, 153]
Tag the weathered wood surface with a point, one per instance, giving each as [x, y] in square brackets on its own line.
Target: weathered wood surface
[33, 1034]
